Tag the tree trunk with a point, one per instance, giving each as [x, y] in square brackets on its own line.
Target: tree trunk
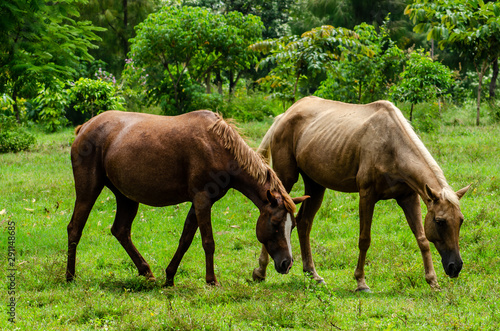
[207, 83]
[480, 72]
[494, 77]
[295, 87]
[478, 103]
[411, 112]
[15, 106]
[218, 78]
[125, 25]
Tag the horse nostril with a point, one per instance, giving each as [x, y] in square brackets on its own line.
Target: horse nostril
[286, 265]
[454, 269]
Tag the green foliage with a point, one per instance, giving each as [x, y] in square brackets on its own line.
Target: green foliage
[118, 18]
[50, 107]
[297, 58]
[471, 28]
[12, 136]
[180, 47]
[422, 80]
[274, 14]
[89, 97]
[251, 106]
[360, 78]
[40, 43]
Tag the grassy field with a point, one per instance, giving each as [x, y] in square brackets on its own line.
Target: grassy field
[36, 201]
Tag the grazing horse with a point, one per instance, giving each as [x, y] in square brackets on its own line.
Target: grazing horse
[160, 161]
[370, 149]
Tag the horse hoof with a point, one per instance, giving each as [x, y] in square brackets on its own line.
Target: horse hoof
[169, 283]
[320, 282]
[364, 290]
[213, 284]
[257, 277]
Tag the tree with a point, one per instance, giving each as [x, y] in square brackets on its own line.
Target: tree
[472, 28]
[39, 44]
[118, 17]
[360, 78]
[179, 47]
[313, 52]
[274, 14]
[422, 80]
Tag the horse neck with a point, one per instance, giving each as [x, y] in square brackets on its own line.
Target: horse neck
[419, 174]
[251, 188]
[418, 169]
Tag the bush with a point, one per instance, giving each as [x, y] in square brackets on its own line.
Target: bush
[12, 137]
[89, 97]
[48, 108]
[250, 107]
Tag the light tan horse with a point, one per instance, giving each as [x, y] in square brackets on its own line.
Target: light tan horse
[163, 160]
[370, 149]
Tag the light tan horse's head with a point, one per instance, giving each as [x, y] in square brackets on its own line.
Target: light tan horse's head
[442, 226]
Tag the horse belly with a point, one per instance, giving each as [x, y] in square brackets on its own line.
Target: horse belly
[329, 155]
[329, 172]
[148, 175]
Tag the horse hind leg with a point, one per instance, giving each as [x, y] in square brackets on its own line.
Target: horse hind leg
[126, 210]
[88, 189]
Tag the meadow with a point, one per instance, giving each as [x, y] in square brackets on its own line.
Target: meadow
[36, 201]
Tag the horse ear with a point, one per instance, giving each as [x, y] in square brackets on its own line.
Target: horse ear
[272, 199]
[461, 192]
[431, 194]
[300, 199]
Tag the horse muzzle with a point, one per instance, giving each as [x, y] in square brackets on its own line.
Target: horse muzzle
[284, 266]
[452, 267]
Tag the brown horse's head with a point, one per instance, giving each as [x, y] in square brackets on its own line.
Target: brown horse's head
[274, 228]
[442, 226]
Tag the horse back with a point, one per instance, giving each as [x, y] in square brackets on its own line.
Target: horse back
[156, 160]
[333, 141]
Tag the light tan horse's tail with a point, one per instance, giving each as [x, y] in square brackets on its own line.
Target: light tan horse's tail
[264, 148]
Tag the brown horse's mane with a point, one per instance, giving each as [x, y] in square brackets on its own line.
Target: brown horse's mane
[249, 160]
[447, 192]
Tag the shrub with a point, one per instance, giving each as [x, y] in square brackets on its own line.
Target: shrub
[48, 108]
[12, 137]
[89, 97]
[250, 107]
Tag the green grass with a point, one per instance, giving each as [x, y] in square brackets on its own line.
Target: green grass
[37, 194]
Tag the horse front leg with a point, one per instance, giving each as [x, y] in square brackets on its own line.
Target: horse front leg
[411, 208]
[203, 208]
[190, 227]
[366, 208]
[259, 274]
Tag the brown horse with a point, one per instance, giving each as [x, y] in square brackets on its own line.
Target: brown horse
[370, 149]
[160, 161]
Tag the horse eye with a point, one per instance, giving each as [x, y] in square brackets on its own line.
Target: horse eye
[440, 221]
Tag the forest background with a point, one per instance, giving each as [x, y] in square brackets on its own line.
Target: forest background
[63, 62]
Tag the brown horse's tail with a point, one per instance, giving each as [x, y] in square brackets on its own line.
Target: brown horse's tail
[265, 146]
[77, 129]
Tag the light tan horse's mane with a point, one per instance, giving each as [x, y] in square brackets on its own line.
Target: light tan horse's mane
[447, 192]
[249, 160]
